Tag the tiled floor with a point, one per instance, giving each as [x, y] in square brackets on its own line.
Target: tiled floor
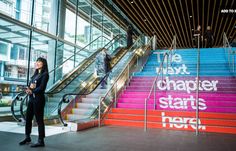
[110, 138]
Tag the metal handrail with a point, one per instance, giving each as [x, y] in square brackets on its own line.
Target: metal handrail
[127, 66]
[14, 102]
[83, 63]
[153, 88]
[63, 100]
[225, 45]
[22, 92]
[172, 48]
[197, 79]
[82, 50]
[118, 36]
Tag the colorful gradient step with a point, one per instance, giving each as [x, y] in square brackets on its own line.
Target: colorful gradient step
[175, 103]
[208, 122]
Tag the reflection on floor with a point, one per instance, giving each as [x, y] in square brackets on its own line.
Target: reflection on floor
[13, 127]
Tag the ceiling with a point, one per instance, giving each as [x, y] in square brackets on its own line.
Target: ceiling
[167, 18]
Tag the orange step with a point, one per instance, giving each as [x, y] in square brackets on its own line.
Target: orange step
[152, 118]
[208, 122]
[129, 123]
[177, 113]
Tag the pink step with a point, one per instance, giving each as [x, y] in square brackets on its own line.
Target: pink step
[209, 103]
[151, 106]
[175, 94]
[182, 91]
[214, 99]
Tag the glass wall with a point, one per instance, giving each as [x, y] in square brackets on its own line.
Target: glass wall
[83, 36]
[70, 26]
[43, 28]
[17, 9]
[42, 14]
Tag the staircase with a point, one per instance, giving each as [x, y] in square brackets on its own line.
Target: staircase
[81, 113]
[175, 106]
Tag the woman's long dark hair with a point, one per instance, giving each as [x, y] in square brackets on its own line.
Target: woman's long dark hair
[44, 68]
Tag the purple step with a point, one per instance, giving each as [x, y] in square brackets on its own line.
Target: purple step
[217, 94]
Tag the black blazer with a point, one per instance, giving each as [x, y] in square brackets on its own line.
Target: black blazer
[38, 92]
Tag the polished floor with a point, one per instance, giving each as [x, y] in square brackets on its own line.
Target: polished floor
[109, 138]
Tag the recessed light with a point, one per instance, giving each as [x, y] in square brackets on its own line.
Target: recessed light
[145, 20]
[132, 2]
[190, 16]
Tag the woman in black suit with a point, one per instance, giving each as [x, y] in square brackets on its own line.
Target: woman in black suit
[36, 90]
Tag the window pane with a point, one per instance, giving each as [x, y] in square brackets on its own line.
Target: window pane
[13, 68]
[70, 26]
[3, 48]
[82, 32]
[17, 9]
[42, 46]
[45, 15]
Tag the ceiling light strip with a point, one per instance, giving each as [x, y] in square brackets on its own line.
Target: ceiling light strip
[193, 15]
[225, 23]
[181, 38]
[169, 29]
[151, 23]
[155, 23]
[126, 9]
[177, 10]
[189, 23]
[217, 18]
[163, 24]
[175, 33]
[203, 27]
[140, 19]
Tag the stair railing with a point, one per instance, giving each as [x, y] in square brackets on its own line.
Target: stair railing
[229, 53]
[65, 98]
[172, 48]
[167, 57]
[121, 81]
[197, 79]
[19, 93]
[153, 89]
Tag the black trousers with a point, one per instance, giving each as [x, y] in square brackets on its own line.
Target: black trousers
[209, 44]
[35, 108]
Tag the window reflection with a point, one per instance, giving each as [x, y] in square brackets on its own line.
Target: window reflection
[15, 61]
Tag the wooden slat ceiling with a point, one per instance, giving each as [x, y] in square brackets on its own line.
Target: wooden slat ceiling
[166, 18]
